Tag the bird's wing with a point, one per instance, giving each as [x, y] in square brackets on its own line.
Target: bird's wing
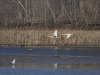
[68, 36]
[71, 34]
[55, 33]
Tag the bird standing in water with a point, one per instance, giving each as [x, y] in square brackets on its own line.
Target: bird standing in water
[13, 62]
[55, 65]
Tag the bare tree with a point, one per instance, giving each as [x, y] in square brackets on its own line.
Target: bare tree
[53, 14]
[63, 7]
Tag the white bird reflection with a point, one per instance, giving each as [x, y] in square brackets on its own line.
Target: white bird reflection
[13, 66]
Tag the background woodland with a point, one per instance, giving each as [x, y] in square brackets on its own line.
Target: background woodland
[48, 14]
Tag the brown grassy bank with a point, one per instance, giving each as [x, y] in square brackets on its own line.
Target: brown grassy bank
[40, 38]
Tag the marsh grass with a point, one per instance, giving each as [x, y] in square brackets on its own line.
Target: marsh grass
[40, 38]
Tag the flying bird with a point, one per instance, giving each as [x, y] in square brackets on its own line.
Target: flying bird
[68, 35]
[55, 35]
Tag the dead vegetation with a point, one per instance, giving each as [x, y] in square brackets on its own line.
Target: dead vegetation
[40, 38]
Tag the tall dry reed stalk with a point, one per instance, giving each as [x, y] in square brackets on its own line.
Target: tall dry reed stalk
[40, 38]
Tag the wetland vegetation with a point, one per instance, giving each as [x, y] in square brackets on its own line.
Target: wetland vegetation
[40, 38]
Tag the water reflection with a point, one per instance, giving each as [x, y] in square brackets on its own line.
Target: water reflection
[13, 66]
[56, 65]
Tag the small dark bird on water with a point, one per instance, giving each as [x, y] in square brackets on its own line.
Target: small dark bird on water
[30, 49]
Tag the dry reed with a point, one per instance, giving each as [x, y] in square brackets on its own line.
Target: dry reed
[40, 38]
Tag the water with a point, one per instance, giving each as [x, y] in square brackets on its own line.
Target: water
[41, 61]
[72, 51]
[42, 71]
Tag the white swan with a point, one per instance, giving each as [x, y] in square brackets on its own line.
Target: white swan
[13, 62]
[68, 35]
[55, 35]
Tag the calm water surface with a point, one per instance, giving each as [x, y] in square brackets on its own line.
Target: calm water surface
[41, 61]
[42, 71]
[72, 51]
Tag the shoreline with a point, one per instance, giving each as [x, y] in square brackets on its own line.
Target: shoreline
[53, 46]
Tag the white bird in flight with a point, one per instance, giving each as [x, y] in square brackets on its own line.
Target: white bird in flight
[55, 35]
[68, 35]
[13, 62]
